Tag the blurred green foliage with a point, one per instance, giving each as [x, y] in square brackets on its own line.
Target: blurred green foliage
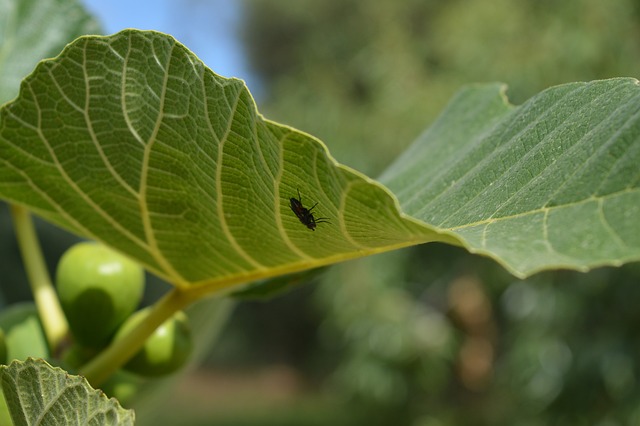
[432, 336]
[367, 78]
[428, 336]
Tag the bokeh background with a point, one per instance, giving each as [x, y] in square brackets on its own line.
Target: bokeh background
[426, 336]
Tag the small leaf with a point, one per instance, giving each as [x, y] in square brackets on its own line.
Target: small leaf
[39, 394]
[31, 30]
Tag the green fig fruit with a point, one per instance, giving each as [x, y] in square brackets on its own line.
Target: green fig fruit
[23, 333]
[98, 289]
[165, 351]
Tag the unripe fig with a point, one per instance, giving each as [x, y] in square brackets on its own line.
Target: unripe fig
[98, 289]
[165, 351]
[23, 337]
[23, 333]
[124, 387]
[76, 356]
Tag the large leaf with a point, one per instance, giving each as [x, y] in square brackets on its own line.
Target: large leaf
[31, 30]
[554, 183]
[39, 394]
[131, 140]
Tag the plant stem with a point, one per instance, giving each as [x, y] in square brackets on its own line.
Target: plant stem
[54, 322]
[121, 350]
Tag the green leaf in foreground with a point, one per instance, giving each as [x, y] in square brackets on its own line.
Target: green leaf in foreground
[131, 140]
[39, 394]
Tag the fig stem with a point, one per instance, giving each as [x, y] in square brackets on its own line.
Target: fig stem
[120, 351]
[54, 322]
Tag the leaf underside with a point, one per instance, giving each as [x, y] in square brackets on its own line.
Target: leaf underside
[131, 140]
[39, 394]
[553, 183]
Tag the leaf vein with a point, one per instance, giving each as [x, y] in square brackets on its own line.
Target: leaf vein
[92, 134]
[75, 187]
[607, 225]
[505, 146]
[223, 222]
[149, 231]
[538, 210]
[278, 213]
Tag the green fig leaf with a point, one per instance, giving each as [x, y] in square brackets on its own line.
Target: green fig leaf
[129, 139]
[553, 183]
[39, 394]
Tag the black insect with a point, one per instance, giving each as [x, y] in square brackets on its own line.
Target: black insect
[304, 214]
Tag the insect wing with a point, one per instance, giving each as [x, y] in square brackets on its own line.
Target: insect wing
[297, 207]
[304, 215]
